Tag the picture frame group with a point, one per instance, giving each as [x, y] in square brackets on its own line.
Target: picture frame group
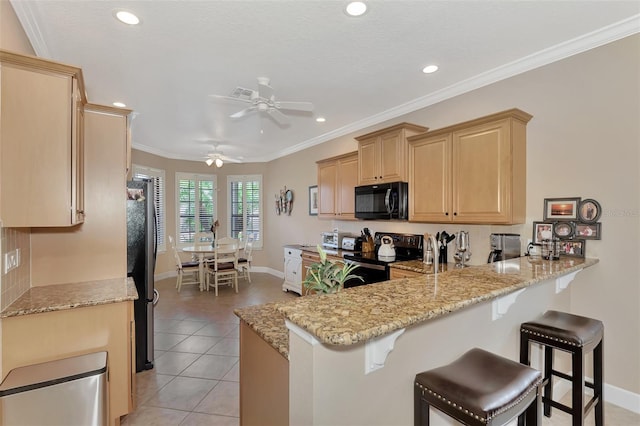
[572, 220]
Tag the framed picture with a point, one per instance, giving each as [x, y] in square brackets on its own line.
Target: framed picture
[313, 200]
[542, 231]
[561, 208]
[573, 248]
[589, 211]
[588, 231]
[563, 230]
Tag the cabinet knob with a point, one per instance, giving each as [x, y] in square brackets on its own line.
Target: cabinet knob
[455, 213]
[446, 214]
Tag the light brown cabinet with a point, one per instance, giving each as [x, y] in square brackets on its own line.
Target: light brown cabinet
[396, 273]
[383, 154]
[337, 179]
[472, 172]
[41, 121]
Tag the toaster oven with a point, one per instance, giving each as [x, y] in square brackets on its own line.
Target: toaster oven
[333, 240]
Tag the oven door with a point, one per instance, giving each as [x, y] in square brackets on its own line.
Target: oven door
[370, 272]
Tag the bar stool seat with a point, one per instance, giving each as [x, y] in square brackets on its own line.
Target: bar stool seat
[577, 335]
[479, 388]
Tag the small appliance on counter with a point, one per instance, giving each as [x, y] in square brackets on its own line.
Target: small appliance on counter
[333, 239]
[503, 247]
[352, 243]
[386, 250]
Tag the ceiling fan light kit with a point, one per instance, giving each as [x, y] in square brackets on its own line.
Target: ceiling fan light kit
[263, 100]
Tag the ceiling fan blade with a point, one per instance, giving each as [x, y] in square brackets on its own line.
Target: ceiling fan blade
[279, 117]
[264, 90]
[242, 113]
[230, 98]
[297, 106]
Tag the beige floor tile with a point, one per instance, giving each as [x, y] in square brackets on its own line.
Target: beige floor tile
[222, 400]
[153, 416]
[182, 393]
[226, 346]
[165, 341]
[174, 362]
[201, 419]
[186, 327]
[233, 375]
[210, 366]
[216, 330]
[196, 344]
[148, 383]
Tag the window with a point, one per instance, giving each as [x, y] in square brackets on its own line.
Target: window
[196, 204]
[245, 206]
[142, 172]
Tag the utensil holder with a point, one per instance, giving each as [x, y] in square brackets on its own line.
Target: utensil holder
[367, 245]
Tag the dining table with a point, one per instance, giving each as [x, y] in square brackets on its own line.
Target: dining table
[201, 251]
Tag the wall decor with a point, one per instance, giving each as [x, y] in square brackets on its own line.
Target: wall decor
[573, 248]
[561, 208]
[313, 200]
[542, 231]
[563, 230]
[588, 231]
[284, 201]
[589, 211]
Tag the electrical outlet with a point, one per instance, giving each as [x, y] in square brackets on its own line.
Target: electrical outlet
[11, 260]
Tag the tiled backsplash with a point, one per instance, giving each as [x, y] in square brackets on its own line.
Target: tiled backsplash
[17, 281]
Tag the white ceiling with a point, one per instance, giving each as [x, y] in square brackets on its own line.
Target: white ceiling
[356, 71]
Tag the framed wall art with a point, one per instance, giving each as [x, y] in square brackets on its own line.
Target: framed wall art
[313, 200]
[573, 248]
[588, 231]
[563, 230]
[561, 208]
[542, 231]
[589, 211]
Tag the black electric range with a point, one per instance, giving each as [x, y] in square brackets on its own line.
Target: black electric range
[373, 268]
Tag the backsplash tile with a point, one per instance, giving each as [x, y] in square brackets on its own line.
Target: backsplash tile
[17, 281]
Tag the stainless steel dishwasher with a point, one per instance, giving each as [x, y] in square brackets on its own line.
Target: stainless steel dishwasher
[70, 391]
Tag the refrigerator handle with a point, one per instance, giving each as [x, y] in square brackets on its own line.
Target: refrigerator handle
[156, 297]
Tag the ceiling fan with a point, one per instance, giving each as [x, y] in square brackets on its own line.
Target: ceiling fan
[217, 157]
[263, 100]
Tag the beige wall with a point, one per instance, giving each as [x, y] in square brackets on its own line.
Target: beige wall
[12, 36]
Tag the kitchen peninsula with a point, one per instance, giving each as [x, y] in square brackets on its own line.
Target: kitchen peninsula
[352, 356]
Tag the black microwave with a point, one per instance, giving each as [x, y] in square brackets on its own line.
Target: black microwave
[383, 201]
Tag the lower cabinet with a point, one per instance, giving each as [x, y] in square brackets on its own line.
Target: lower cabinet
[37, 338]
[396, 273]
[292, 270]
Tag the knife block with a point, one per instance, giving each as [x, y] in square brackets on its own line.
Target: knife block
[367, 245]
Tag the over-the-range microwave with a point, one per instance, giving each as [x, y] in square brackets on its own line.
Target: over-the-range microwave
[383, 201]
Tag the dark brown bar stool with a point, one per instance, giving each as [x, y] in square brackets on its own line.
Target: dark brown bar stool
[578, 336]
[479, 388]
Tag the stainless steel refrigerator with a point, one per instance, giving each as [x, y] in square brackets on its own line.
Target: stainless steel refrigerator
[141, 261]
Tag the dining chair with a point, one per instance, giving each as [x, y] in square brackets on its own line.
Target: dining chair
[191, 268]
[244, 262]
[224, 266]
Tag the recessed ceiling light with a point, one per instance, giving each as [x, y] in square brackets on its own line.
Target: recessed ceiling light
[321, 119]
[127, 17]
[119, 104]
[429, 69]
[356, 8]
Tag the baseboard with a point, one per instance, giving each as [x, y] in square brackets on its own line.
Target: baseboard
[612, 394]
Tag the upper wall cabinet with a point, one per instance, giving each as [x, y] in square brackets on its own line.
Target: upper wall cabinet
[472, 172]
[41, 151]
[383, 154]
[337, 179]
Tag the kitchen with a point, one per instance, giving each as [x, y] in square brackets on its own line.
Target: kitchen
[566, 135]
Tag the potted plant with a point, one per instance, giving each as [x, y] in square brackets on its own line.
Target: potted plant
[327, 276]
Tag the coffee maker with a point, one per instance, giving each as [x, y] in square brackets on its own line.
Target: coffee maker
[503, 247]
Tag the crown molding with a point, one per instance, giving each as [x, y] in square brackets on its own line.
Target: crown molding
[27, 17]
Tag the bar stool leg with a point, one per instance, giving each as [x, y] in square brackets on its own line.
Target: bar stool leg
[524, 359]
[598, 363]
[577, 400]
[548, 369]
[420, 409]
[533, 414]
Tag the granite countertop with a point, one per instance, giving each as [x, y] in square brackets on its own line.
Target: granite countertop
[361, 313]
[420, 267]
[60, 297]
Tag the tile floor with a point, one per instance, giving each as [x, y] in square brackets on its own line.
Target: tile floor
[196, 376]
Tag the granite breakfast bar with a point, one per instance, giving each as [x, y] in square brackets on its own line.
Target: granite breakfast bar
[352, 356]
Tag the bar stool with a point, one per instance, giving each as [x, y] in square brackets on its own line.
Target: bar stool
[479, 388]
[578, 336]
